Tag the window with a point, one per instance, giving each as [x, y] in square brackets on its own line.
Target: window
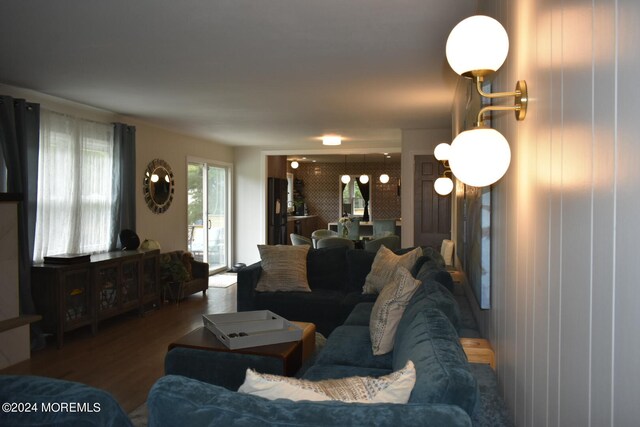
[75, 175]
[352, 199]
[208, 230]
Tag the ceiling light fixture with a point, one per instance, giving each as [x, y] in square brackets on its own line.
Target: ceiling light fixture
[345, 178]
[364, 178]
[331, 140]
[481, 156]
[384, 178]
[295, 164]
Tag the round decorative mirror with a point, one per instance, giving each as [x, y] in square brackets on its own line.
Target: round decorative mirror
[158, 186]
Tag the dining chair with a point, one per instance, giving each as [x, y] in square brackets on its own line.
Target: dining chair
[390, 242]
[334, 242]
[384, 227]
[321, 234]
[297, 239]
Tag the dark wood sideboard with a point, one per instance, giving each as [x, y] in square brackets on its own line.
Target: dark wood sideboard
[70, 296]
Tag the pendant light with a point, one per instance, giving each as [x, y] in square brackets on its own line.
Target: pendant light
[384, 178]
[345, 178]
[364, 178]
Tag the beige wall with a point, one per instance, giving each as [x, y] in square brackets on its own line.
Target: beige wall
[565, 291]
[169, 228]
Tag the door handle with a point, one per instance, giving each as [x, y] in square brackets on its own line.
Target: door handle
[209, 224]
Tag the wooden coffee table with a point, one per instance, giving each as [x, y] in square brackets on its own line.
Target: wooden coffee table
[291, 354]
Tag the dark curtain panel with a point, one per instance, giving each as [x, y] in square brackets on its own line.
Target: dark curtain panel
[19, 139]
[364, 189]
[123, 213]
[342, 187]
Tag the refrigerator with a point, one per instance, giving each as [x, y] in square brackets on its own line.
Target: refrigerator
[277, 211]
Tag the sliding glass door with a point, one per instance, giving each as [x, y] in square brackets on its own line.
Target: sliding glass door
[208, 231]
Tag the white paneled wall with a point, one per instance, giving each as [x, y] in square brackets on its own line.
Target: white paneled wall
[566, 291]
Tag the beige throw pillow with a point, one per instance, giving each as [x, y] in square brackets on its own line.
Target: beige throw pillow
[384, 265]
[284, 268]
[388, 310]
[393, 388]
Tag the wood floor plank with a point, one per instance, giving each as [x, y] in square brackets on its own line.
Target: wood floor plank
[126, 356]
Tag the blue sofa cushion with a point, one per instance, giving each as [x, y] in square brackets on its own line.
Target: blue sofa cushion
[358, 267]
[360, 314]
[329, 372]
[432, 294]
[93, 407]
[327, 268]
[351, 345]
[175, 401]
[442, 372]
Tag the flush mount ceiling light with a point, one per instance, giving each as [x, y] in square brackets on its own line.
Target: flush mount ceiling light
[294, 164]
[477, 47]
[331, 140]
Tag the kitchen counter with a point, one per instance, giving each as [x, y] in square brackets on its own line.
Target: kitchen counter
[298, 217]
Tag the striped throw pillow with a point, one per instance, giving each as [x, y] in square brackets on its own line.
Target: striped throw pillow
[284, 268]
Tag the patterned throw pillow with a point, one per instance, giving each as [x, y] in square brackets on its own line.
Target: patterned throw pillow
[384, 265]
[388, 310]
[393, 388]
[284, 268]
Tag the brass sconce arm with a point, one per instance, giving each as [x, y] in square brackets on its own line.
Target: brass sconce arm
[521, 100]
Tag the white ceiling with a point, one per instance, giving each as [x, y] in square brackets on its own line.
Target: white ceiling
[275, 73]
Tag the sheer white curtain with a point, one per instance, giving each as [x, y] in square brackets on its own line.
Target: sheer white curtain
[75, 171]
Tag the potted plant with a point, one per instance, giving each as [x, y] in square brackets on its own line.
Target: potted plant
[174, 274]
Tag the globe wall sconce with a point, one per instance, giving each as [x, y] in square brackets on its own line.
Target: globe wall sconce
[384, 178]
[477, 47]
[443, 185]
[295, 164]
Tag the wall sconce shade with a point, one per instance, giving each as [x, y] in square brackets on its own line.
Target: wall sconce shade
[384, 178]
[345, 179]
[441, 151]
[479, 157]
[294, 165]
[364, 178]
[477, 46]
[443, 185]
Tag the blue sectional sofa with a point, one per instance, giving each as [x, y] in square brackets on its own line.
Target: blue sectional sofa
[39, 401]
[336, 277]
[447, 390]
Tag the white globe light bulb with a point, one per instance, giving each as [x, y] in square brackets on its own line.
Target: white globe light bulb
[345, 179]
[384, 178]
[441, 151]
[294, 165]
[364, 179]
[479, 157]
[443, 185]
[477, 43]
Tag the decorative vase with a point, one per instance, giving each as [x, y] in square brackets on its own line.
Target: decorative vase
[345, 231]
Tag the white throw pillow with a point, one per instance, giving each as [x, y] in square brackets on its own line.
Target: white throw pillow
[388, 310]
[284, 268]
[384, 265]
[393, 388]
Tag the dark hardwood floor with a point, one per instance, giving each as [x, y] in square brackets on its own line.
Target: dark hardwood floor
[126, 356]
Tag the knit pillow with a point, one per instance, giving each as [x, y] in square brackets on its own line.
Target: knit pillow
[284, 268]
[388, 310]
[393, 388]
[384, 265]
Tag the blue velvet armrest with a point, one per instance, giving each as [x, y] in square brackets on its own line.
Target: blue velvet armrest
[176, 400]
[247, 281]
[58, 403]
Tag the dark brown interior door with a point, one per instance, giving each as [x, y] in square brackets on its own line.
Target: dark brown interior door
[432, 212]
